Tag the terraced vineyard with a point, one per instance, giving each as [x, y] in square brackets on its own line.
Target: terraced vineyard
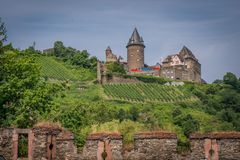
[51, 68]
[141, 92]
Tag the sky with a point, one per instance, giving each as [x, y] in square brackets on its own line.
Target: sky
[210, 29]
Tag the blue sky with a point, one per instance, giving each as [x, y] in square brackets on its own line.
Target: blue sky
[211, 29]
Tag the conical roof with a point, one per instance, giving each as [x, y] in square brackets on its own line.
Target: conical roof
[135, 39]
[108, 48]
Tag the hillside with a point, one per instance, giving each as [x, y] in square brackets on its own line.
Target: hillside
[53, 69]
[82, 106]
[147, 93]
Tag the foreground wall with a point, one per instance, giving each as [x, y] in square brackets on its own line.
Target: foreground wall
[45, 143]
[225, 146]
[154, 145]
[6, 142]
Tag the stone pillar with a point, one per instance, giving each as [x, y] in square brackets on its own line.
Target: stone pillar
[30, 144]
[96, 143]
[44, 142]
[211, 149]
[214, 146]
[15, 145]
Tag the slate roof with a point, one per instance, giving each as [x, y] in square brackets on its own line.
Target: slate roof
[186, 53]
[183, 54]
[135, 39]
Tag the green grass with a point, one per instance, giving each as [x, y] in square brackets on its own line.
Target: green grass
[141, 92]
[53, 69]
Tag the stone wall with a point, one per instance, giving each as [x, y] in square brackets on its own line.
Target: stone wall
[6, 142]
[44, 142]
[57, 144]
[221, 145]
[154, 145]
[65, 145]
[110, 143]
[107, 79]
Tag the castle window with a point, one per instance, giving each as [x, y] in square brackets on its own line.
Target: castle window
[131, 55]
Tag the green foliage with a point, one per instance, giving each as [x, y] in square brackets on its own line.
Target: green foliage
[23, 146]
[148, 79]
[23, 95]
[187, 123]
[231, 79]
[74, 56]
[146, 93]
[115, 67]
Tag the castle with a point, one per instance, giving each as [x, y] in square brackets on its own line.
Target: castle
[181, 66]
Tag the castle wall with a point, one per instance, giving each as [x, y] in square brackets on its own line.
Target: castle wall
[117, 79]
[6, 143]
[98, 143]
[155, 145]
[147, 145]
[222, 145]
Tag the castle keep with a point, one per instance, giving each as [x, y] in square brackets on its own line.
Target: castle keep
[180, 66]
[135, 51]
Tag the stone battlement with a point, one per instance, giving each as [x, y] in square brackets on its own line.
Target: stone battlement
[56, 143]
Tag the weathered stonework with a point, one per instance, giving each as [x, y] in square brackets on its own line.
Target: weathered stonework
[114, 79]
[154, 146]
[97, 143]
[65, 145]
[214, 146]
[6, 142]
[44, 142]
[147, 145]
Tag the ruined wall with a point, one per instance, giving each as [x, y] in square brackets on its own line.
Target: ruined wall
[98, 143]
[117, 79]
[65, 145]
[6, 142]
[57, 144]
[44, 142]
[221, 145]
[154, 145]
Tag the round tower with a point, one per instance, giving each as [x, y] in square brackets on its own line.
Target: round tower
[135, 51]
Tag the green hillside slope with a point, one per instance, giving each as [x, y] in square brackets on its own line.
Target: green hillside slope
[54, 69]
[146, 93]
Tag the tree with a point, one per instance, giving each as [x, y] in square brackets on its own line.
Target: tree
[115, 67]
[3, 35]
[231, 79]
[121, 115]
[188, 124]
[59, 49]
[24, 96]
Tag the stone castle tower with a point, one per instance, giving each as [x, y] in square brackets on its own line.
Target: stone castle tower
[135, 51]
[110, 57]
